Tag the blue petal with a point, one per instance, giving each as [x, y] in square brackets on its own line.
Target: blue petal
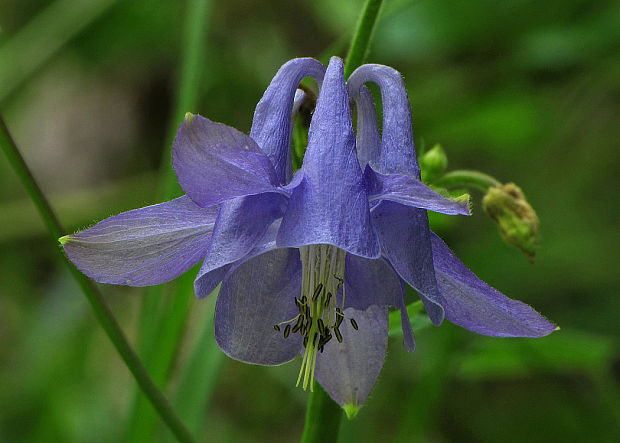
[145, 246]
[253, 298]
[271, 127]
[329, 204]
[349, 370]
[241, 223]
[208, 278]
[215, 162]
[397, 153]
[368, 139]
[369, 282]
[206, 281]
[405, 242]
[471, 303]
[409, 191]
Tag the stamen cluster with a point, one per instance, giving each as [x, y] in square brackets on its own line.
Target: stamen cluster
[319, 317]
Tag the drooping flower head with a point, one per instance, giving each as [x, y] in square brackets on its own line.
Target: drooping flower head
[310, 263]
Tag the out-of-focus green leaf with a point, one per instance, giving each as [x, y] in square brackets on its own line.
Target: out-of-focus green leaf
[562, 351]
[43, 37]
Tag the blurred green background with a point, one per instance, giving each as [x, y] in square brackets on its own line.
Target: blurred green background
[526, 91]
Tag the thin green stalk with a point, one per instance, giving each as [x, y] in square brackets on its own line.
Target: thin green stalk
[96, 300]
[323, 417]
[200, 372]
[363, 34]
[467, 179]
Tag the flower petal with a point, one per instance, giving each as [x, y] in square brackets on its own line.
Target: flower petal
[328, 203]
[271, 127]
[145, 246]
[471, 303]
[405, 241]
[408, 191]
[397, 153]
[253, 298]
[215, 162]
[349, 370]
[241, 223]
[208, 278]
[368, 139]
[369, 282]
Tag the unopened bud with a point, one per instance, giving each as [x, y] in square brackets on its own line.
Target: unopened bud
[516, 219]
[433, 164]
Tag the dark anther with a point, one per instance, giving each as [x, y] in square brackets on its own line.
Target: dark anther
[305, 341]
[307, 313]
[339, 318]
[329, 296]
[304, 299]
[309, 324]
[338, 334]
[287, 331]
[276, 327]
[314, 339]
[321, 349]
[321, 326]
[317, 291]
[298, 325]
[327, 338]
[354, 324]
[297, 302]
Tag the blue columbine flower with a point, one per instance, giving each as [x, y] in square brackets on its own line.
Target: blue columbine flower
[308, 263]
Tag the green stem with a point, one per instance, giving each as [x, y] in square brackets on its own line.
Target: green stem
[100, 308]
[361, 39]
[322, 418]
[467, 179]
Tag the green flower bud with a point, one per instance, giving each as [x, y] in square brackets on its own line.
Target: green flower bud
[516, 219]
[433, 164]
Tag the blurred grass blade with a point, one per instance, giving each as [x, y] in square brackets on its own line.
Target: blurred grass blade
[159, 350]
[96, 300]
[425, 397]
[200, 373]
[40, 39]
[157, 318]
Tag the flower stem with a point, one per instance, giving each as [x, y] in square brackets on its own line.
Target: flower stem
[467, 179]
[361, 39]
[100, 308]
[323, 417]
